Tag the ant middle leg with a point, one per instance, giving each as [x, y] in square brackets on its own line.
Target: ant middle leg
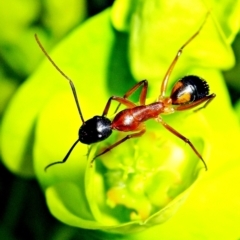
[133, 135]
[179, 135]
[179, 53]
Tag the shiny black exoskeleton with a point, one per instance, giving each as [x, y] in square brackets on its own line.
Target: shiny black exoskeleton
[95, 130]
[189, 89]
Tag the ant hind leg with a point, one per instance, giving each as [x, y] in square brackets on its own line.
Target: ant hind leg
[186, 140]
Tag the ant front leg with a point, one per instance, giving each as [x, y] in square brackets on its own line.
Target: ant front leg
[179, 135]
[121, 100]
[143, 94]
[125, 101]
[134, 135]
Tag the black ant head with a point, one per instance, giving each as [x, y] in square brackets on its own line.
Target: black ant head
[95, 130]
[189, 89]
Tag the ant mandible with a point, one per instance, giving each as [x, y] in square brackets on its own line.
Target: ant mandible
[187, 93]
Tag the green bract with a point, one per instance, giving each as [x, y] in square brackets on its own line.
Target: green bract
[144, 181]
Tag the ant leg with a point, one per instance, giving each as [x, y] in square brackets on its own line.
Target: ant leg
[142, 98]
[186, 140]
[134, 135]
[127, 103]
[206, 99]
[121, 100]
[170, 69]
[65, 158]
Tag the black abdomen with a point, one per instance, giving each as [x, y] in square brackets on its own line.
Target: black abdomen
[189, 89]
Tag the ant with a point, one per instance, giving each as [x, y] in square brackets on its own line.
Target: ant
[187, 93]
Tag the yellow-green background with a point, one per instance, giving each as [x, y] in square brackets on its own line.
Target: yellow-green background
[23, 212]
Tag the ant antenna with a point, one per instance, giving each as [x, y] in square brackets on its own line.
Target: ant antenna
[65, 158]
[64, 75]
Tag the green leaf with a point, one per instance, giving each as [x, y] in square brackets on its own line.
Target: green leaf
[157, 29]
[27, 17]
[38, 90]
[95, 57]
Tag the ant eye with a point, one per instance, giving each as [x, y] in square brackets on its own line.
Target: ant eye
[189, 89]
